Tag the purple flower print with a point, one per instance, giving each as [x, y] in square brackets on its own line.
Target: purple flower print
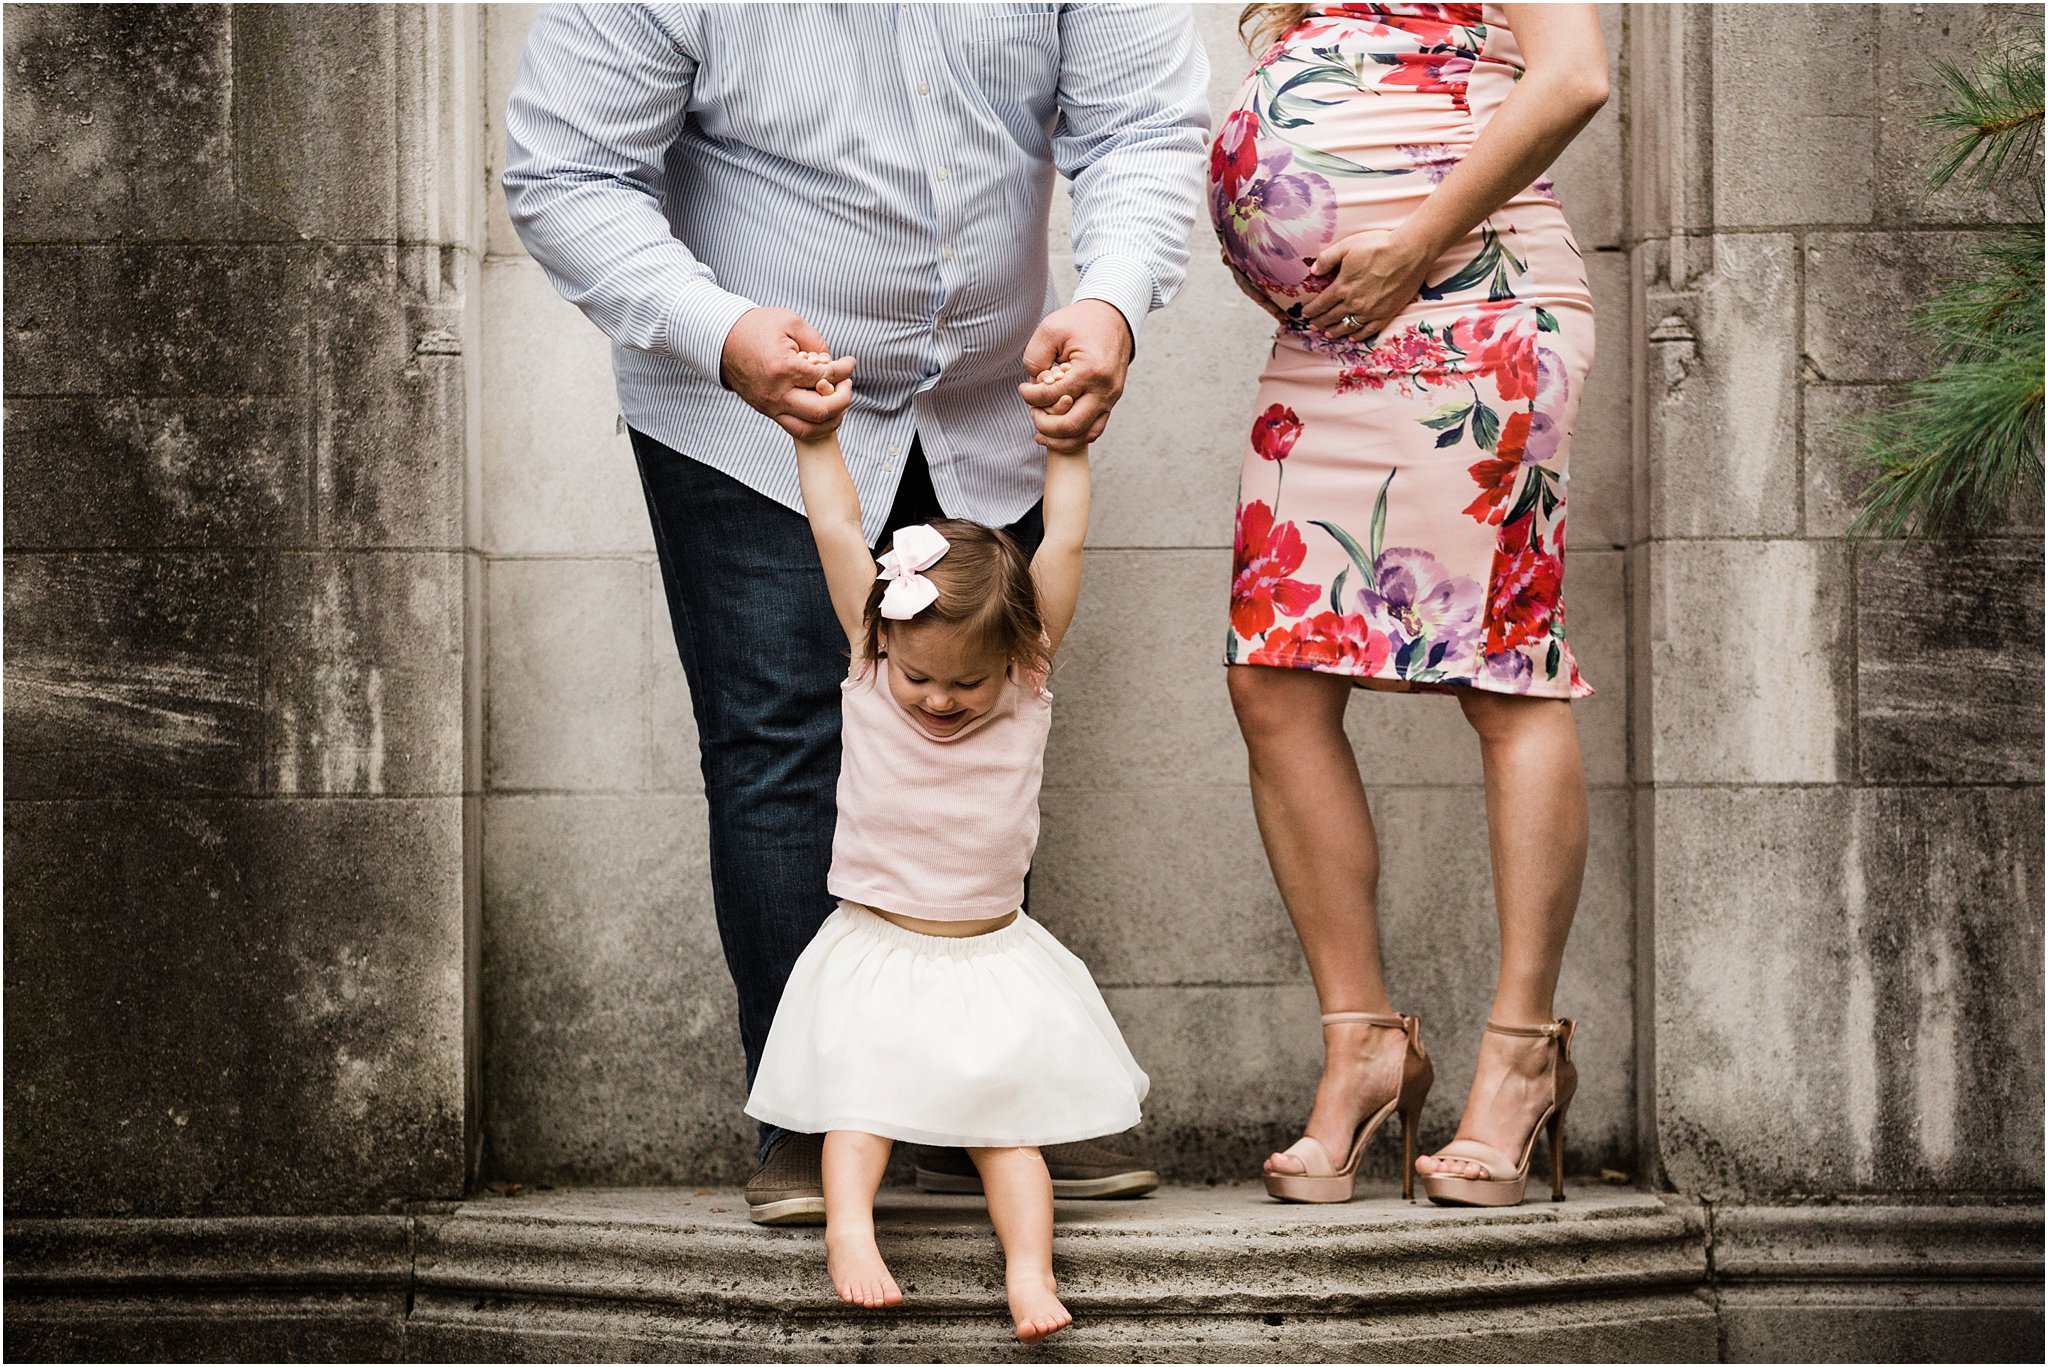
[1434, 159]
[1510, 670]
[1429, 616]
[1553, 391]
[1275, 227]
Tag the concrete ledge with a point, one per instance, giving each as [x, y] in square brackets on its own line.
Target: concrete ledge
[1189, 1274]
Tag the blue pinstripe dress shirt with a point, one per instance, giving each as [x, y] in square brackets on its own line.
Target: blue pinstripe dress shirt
[884, 170]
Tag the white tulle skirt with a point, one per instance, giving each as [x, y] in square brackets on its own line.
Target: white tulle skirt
[975, 1041]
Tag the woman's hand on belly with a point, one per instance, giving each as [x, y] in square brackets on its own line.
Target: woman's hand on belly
[1378, 273]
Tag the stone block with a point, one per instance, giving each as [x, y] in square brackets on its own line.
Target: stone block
[1793, 142]
[1860, 290]
[1723, 392]
[316, 118]
[1749, 661]
[1603, 437]
[1585, 171]
[133, 674]
[1161, 886]
[1835, 487]
[1948, 662]
[614, 1052]
[390, 422]
[1597, 605]
[118, 472]
[559, 475]
[363, 673]
[567, 675]
[178, 321]
[119, 123]
[673, 754]
[505, 30]
[1910, 40]
[233, 1007]
[1834, 970]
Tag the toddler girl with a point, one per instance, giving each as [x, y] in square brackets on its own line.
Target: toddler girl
[930, 1008]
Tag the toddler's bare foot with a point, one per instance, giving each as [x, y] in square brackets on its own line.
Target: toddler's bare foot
[1035, 1306]
[858, 1273]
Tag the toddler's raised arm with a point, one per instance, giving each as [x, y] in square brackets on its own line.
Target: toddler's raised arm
[834, 511]
[1056, 568]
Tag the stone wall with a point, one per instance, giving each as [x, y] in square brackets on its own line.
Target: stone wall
[237, 434]
[610, 1049]
[1837, 744]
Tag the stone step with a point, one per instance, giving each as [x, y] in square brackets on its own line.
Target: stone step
[1189, 1273]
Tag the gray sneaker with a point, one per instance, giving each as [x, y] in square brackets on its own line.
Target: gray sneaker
[789, 1189]
[1090, 1169]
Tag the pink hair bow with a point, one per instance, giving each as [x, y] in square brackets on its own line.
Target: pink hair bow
[909, 592]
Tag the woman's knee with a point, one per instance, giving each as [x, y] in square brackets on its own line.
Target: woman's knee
[1272, 704]
[1496, 716]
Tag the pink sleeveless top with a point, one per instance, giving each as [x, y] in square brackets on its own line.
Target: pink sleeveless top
[937, 827]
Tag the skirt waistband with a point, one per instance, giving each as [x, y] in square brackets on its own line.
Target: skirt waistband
[868, 923]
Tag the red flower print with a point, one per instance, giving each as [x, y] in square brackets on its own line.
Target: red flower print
[1496, 474]
[1234, 156]
[1265, 555]
[1499, 340]
[1346, 644]
[1522, 595]
[1274, 432]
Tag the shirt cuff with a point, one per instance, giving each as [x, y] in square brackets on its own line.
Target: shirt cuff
[1123, 282]
[698, 324]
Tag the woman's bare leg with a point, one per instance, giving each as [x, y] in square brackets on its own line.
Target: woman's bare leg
[1019, 1191]
[853, 1174]
[1319, 837]
[1536, 830]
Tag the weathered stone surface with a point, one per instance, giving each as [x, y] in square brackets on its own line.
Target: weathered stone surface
[561, 476]
[1948, 662]
[1834, 487]
[316, 107]
[119, 123]
[674, 756]
[568, 675]
[1722, 392]
[1603, 435]
[1749, 661]
[613, 1049]
[389, 422]
[118, 472]
[1908, 921]
[363, 673]
[318, 1326]
[1860, 289]
[1793, 141]
[1910, 40]
[182, 321]
[132, 674]
[232, 1007]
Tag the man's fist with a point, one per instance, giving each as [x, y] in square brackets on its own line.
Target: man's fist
[1091, 337]
[768, 362]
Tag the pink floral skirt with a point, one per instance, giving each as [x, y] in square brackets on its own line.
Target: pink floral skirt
[1401, 507]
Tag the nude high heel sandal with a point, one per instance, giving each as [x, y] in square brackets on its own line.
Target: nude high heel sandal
[1506, 1179]
[1323, 1181]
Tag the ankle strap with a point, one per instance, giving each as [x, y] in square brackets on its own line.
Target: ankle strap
[1391, 1022]
[1556, 1027]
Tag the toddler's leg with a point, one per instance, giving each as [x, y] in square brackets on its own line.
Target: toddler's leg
[853, 1172]
[1020, 1204]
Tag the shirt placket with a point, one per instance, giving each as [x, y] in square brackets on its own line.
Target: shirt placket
[919, 44]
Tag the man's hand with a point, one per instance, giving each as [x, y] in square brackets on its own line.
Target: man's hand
[1091, 337]
[767, 362]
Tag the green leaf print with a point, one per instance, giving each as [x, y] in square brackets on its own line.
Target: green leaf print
[1492, 260]
[1352, 549]
[1546, 321]
[1379, 524]
[1485, 425]
[1447, 415]
[1337, 591]
[1451, 438]
[1551, 661]
[1230, 646]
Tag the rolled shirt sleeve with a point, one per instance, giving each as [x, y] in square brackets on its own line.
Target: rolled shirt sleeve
[600, 96]
[1133, 128]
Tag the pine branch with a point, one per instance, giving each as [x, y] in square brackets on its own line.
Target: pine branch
[1995, 114]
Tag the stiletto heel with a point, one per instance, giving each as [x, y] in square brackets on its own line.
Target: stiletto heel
[1322, 1181]
[1507, 1178]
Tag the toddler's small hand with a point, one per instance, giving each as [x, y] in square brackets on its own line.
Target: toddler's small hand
[823, 361]
[1051, 377]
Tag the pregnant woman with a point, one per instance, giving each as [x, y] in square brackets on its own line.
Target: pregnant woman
[1378, 188]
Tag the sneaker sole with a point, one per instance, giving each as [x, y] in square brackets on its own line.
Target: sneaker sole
[1070, 1188]
[796, 1210]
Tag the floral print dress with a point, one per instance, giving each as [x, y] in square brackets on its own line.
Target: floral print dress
[1401, 510]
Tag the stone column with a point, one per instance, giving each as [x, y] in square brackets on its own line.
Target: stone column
[240, 693]
[1837, 744]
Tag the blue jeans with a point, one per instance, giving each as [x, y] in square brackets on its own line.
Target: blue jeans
[764, 655]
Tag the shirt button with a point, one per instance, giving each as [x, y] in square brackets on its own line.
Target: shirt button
[943, 173]
[923, 88]
[892, 450]
[947, 252]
